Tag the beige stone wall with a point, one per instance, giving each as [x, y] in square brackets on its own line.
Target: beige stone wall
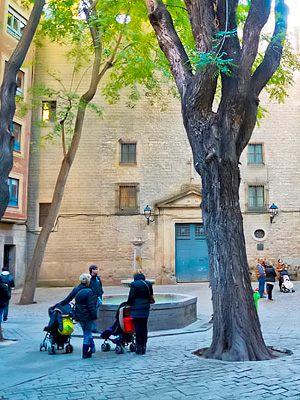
[89, 230]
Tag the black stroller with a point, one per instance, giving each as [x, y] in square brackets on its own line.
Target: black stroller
[121, 333]
[59, 330]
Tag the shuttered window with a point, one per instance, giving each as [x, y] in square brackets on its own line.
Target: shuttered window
[128, 153]
[256, 197]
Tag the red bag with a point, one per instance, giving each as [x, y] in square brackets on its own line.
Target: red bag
[128, 324]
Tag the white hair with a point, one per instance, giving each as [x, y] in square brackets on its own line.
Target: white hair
[84, 278]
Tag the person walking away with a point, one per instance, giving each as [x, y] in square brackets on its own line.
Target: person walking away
[270, 279]
[279, 268]
[85, 312]
[260, 274]
[4, 300]
[96, 286]
[139, 300]
[7, 278]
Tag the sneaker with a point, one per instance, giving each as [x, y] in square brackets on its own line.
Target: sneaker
[263, 297]
[4, 319]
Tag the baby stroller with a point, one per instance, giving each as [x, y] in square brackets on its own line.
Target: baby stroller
[59, 329]
[287, 286]
[121, 333]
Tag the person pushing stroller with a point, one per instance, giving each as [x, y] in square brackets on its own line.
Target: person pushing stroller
[85, 312]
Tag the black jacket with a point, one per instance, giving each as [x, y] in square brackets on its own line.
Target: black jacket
[270, 273]
[85, 309]
[8, 279]
[139, 297]
[96, 286]
[4, 295]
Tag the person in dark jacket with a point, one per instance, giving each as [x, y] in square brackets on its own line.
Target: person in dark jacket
[85, 312]
[7, 279]
[270, 279]
[96, 286]
[139, 300]
[4, 299]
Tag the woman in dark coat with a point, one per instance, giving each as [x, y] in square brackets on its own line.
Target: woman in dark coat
[139, 300]
[270, 279]
[85, 312]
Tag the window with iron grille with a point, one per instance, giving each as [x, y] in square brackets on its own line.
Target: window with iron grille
[199, 231]
[15, 23]
[43, 212]
[255, 153]
[256, 197]
[13, 192]
[128, 153]
[183, 231]
[128, 198]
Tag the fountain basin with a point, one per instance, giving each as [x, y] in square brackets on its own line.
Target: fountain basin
[170, 311]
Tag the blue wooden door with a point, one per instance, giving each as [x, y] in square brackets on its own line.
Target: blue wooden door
[191, 258]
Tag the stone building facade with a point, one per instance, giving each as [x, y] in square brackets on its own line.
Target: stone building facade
[143, 155]
[130, 159]
[13, 235]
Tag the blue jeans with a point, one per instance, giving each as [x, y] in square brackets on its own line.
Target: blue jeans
[261, 286]
[1, 313]
[87, 331]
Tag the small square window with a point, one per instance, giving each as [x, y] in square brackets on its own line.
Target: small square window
[128, 153]
[48, 111]
[15, 23]
[260, 246]
[256, 197]
[17, 131]
[127, 198]
[13, 192]
[43, 212]
[255, 154]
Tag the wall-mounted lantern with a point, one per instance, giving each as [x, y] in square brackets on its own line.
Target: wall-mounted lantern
[148, 214]
[273, 209]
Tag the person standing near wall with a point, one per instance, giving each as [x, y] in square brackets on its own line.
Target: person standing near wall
[279, 268]
[7, 279]
[260, 274]
[270, 279]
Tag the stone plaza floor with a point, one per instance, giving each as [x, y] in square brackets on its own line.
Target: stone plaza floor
[168, 371]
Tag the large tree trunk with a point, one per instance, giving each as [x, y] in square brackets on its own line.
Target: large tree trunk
[217, 140]
[8, 104]
[234, 336]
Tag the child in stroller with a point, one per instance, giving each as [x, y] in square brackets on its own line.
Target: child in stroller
[59, 329]
[121, 333]
[287, 286]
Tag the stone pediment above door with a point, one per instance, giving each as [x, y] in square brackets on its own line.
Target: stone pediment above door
[189, 198]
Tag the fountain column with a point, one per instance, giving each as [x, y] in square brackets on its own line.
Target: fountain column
[137, 252]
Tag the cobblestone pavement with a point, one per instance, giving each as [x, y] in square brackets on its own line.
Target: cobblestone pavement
[168, 371]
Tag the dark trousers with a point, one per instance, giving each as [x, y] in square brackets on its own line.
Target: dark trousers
[141, 331]
[280, 283]
[269, 290]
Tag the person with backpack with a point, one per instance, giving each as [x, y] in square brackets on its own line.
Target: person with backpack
[85, 312]
[8, 280]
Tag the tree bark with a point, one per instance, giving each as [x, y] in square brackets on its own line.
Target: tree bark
[8, 104]
[217, 140]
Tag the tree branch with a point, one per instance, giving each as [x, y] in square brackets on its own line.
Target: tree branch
[170, 43]
[203, 22]
[273, 53]
[258, 15]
